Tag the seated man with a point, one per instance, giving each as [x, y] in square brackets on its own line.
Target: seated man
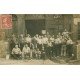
[16, 52]
[26, 52]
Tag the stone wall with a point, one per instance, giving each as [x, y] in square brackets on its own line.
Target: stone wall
[21, 23]
[2, 49]
[76, 19]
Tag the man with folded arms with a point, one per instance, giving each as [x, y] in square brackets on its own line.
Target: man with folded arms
[16, 52]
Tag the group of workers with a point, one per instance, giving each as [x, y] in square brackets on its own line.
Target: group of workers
[41, 46]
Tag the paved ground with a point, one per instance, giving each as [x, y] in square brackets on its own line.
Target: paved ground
[3, 61]
[27, 62]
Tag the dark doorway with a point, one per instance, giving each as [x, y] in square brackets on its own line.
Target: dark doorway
[34, 26]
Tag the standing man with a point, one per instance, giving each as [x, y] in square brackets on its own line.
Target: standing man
[45, 42]
[69, 47]
[65, 33]
[34, 42]
[57, 46]
[39, 43]
[43, 54]
[28, 40]
[63, 46]
[59, 35]
[15, 39]
[52, 39]
[21, 41]
[49, 49]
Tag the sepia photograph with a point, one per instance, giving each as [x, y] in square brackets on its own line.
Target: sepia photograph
[39, 39]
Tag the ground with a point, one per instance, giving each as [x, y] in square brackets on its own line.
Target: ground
[58, 61]
[28, 62]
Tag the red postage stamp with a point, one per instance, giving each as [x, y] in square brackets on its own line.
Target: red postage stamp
[6, 21]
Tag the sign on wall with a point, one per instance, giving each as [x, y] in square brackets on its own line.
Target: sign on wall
[76, 20]
[43, 31]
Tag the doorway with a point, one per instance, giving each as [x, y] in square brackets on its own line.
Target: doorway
[34, 27]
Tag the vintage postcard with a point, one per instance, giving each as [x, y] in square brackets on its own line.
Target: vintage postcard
[40, 39]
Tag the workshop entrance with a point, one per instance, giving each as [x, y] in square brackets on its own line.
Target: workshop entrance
[34, 27]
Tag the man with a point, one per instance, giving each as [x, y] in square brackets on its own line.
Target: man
[13, 42]
[16, 52]
[38, 54]
[26, 52]
[47, 34]
[33, 52]
[65, 33]
[34, 42]
[39, 43]
[63, 46]
[12, 45]
[49, 49]
[45, 41]
[15, 39]
[21, 41]
[69, 47]
[52, 39]
[59, 35]
[28, 40]
[57, 46]
[43, 54]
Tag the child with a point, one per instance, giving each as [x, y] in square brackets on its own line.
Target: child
[43, 54]
[38, 54]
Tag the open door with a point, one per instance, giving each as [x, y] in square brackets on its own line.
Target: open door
[34, 26]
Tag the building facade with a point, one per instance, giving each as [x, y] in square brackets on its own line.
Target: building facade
[53, 23]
